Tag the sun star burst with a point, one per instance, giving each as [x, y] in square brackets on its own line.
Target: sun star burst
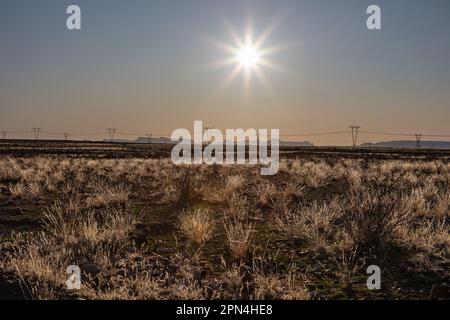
[248, 56]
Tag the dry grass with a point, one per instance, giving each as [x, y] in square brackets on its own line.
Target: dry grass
[107, 195]
[239, 237]
[17, 191]
[130, 223]
[373, 212]
[198, 225]
[315, 223]
[347, 268]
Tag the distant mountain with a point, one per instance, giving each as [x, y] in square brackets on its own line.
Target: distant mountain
[408, 144]
[295, 144]
[153, 140]
[117, 140]
[141, 140]
[168, 141]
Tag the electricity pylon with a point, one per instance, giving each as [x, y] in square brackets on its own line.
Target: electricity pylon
[418, 140]
[355, 130]
[36, 132]
[66, 136]
[4, 133]
[111, 133]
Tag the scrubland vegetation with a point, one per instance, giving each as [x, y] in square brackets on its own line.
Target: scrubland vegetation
[146, 229]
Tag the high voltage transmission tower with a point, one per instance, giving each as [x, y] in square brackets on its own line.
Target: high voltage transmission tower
[36, 132]
[149, 137]
[66, 136]
[418, 140]
[111, 133]
[355, 130]
[4, 133]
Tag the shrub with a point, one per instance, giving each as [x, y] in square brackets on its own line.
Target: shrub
[239, 237]
[197, 225]
[373, 212]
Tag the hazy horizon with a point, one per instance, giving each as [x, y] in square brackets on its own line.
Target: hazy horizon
[152, 66]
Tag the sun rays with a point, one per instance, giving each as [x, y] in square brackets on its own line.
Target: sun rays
[249, 56]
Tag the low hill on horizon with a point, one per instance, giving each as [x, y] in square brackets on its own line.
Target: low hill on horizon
[163, 140]
[408, 144]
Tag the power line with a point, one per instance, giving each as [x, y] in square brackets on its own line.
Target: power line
[18, 132]
[87, 134]
[113, 132]
[314, 134]
[135, 134]
[67, 134]
[437, 135]
[405, 134]
[132, 134]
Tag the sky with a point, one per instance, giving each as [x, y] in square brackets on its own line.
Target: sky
[151, 66]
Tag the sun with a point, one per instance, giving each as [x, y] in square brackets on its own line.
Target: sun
[248, 56]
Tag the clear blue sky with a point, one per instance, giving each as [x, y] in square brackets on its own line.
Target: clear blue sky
[145, 66]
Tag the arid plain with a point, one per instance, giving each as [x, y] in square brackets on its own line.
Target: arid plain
[140, 227]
